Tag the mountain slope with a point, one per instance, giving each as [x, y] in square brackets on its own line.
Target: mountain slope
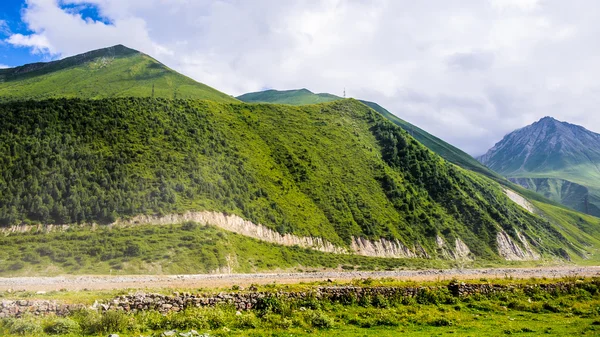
[337, 171]
[304, 96]
[110, 72]
[554, 155]
[293, 97]
[447, 151]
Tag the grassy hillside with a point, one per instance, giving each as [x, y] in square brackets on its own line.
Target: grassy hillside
[304, 96]
[175, 249]
[334, 170]
[111, 72]
[447, 151]
[293, 97]
[573, 195]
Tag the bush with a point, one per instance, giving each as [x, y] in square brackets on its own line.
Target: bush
[61, 326]
[189, 226]
[380, 301]
[113, 321]
[440, 322]
[23, 326]
[246, 321]
[88, 320]
[319, 319]
[277, 321]
[152, 319]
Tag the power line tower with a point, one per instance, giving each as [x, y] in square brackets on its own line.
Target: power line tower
[344, 92]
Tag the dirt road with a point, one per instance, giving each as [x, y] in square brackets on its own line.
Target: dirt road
[225, 280]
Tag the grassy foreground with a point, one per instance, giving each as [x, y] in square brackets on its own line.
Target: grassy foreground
[433, 313]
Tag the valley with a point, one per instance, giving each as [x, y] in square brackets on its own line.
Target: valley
[299, 168]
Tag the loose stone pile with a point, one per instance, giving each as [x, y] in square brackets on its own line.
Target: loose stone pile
[10, 308]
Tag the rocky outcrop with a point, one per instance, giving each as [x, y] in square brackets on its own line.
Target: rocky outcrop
[519, 200]
[381, 248]
[233, 223]
[511, 251]
[460, 252]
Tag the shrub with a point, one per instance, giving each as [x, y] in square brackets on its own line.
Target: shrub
[189, 226]
[88, 320]
[319, 319]
[152, 319]
[61, 326]
[277, 321]
[215, 318]
[246, 321]
[113, 321]
[23, 326]
[380, 301]
[442, 321]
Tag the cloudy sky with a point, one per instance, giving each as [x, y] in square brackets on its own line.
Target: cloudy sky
[468, 71]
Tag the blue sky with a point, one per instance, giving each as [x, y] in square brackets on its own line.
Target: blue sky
[10, 14]
[467, 71]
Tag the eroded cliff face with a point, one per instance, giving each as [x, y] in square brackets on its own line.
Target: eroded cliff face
[511, 251]
[460, 252]
[519, 200]
[507, 248]
[234, 223]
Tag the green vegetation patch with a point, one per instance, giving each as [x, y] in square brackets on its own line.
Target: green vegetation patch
[111, 72]
[524, 312]
[171, 249]
[336, 170]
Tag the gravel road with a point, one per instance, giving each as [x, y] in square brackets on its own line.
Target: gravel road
[224, 280]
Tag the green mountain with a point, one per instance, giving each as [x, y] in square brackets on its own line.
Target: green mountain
[293, 97]
[337, 171]
[304, 96]
[557, 159]
[111, 72]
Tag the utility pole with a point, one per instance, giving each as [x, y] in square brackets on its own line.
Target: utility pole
[344, 92]
[152, 90]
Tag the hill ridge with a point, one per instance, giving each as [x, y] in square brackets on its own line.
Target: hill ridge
[108, 72]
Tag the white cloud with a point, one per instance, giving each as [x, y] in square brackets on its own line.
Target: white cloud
[38, 43]
[4, 28]
[468, 71]
[3, 66]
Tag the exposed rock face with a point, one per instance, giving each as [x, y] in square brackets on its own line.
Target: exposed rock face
[460, 252]
[519, 200]
[381, 248]
[508, 249]
[234, 223]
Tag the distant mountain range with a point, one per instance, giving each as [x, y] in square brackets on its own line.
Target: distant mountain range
[557, 159]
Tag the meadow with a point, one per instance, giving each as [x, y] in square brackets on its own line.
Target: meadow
[523, 311]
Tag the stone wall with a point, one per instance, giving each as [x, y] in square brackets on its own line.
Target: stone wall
[246, 300]
[16, 308]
